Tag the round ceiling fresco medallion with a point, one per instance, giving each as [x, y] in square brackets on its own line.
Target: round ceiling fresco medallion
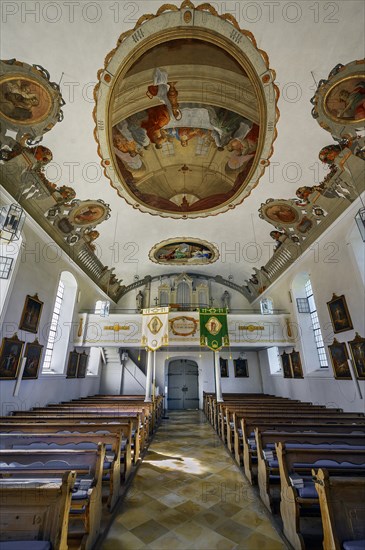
[279, 212]
[30, 104]
[185, 120]
[339, 102]
[89, 213]
[184, 251]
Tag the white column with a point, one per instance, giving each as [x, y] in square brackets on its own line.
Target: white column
[148, 376]
[218, 386]
[154, 376]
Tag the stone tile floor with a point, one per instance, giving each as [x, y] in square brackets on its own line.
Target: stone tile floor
[189, 494]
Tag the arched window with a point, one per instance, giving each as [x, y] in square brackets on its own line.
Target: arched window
[310, 330]
[60, 327]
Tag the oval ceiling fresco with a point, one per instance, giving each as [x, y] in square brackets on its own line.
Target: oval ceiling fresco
[184, 251]
[185, 113]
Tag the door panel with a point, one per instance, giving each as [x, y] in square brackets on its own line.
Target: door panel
[183, 390]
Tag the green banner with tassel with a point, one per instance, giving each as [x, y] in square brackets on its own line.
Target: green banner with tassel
[213, 328]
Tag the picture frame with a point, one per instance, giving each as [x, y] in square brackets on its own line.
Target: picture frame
[339, 355]
[31, 314]
[33, 354]
[73, 361]
[357, 349]
[296, 364]
[339, 314]
[224, 367]
[82, 365]
[285, 361]
[240, 368]
[10, 354]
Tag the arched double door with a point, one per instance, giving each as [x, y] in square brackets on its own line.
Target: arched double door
[183, 391]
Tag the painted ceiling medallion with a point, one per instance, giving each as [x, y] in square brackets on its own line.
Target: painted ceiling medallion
[339, 102]
[185, 113]
[30, 104]
[184, 251]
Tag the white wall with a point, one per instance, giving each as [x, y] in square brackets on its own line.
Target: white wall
[333, 268]
[205, 362]
[40, 266]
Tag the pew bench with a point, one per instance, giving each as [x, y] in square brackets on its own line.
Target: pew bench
[138, 433]
[86, 501]
[51, 441]
[34, 516]
[342, 505]
[122, 431]
[267, 463]
[244, 431]
[296, 500]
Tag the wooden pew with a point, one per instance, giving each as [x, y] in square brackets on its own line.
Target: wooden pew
[34, 512]
[122, 431]
[50, 441]
[247, 423]
[111, 411]
[138, 433]
[227, 421]
[265, 440]
[87, 464]
[301, 461]
[341, 500]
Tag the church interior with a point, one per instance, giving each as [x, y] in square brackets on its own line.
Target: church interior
[182, 272]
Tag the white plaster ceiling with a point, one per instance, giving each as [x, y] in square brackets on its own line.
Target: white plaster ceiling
[300, 38]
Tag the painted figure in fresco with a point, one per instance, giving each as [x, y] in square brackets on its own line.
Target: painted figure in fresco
[158, 117]
[126, 149]
[354, 102]
[89, 214]
[165, 91]
[17, 100]
[281, 213]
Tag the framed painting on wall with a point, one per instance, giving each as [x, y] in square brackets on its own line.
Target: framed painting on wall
[296, 364]
[31, 314]
[10, 354]
[339, 356]
[82, 365]
[33, 353]
[73, 361]
[224, 367]
[240, 368]
[357, 349]
[285, 360]
[339, 314]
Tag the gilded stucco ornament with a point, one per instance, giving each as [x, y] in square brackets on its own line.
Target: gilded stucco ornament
[185, 113]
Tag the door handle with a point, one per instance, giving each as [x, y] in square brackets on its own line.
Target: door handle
[184, 388]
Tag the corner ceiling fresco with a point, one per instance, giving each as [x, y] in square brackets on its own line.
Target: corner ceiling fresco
[191, 136]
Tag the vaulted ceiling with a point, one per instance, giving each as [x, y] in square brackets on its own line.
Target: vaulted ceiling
[303, 40]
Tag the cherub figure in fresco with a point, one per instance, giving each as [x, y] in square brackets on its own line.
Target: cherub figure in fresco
[354, 102]
[279, 237]
[90, 236]
[329, 153]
